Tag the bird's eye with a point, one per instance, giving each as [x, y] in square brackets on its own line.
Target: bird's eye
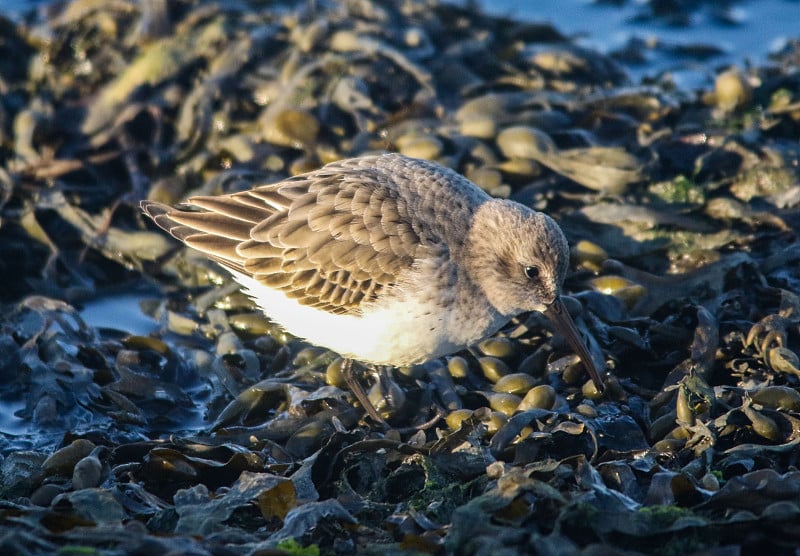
[532, 272]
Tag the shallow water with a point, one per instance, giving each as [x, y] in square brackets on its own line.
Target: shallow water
[120, 312]
[15, 7]
[755, 29]
[9, 423]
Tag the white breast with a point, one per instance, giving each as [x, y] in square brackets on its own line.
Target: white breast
[394, 332]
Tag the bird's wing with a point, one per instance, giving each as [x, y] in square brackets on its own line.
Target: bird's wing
[333, 238]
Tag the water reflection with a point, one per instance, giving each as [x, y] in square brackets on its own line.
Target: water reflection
[119, 312]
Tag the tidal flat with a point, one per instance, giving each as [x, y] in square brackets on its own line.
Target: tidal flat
[147, 405]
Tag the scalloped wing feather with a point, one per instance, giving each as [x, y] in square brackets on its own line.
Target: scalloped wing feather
[332, 239]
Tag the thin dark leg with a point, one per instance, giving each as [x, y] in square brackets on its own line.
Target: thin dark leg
[355, 388]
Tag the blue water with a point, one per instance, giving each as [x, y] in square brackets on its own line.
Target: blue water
[759, 25]
[16, 7]
[756, 28]
[120, 312]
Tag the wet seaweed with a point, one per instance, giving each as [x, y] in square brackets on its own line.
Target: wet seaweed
[218, 433]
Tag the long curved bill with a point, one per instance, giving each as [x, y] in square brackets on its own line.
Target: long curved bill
[559, 316]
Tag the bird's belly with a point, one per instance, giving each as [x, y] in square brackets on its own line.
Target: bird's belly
[413, 334]
[397, 332]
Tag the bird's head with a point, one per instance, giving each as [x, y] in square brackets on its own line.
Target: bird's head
[518, 256]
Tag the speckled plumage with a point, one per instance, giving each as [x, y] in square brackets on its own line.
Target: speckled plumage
[384, 259]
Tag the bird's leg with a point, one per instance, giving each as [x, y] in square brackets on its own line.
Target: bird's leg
[355, 388]
[394, 397]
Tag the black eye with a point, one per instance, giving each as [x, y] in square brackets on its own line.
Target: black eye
[532, 272]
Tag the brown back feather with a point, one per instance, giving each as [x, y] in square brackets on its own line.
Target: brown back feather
[332, 239]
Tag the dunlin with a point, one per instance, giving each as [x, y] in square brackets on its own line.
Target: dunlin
[384, 259]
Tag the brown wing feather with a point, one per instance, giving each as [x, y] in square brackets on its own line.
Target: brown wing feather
[332, 239]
